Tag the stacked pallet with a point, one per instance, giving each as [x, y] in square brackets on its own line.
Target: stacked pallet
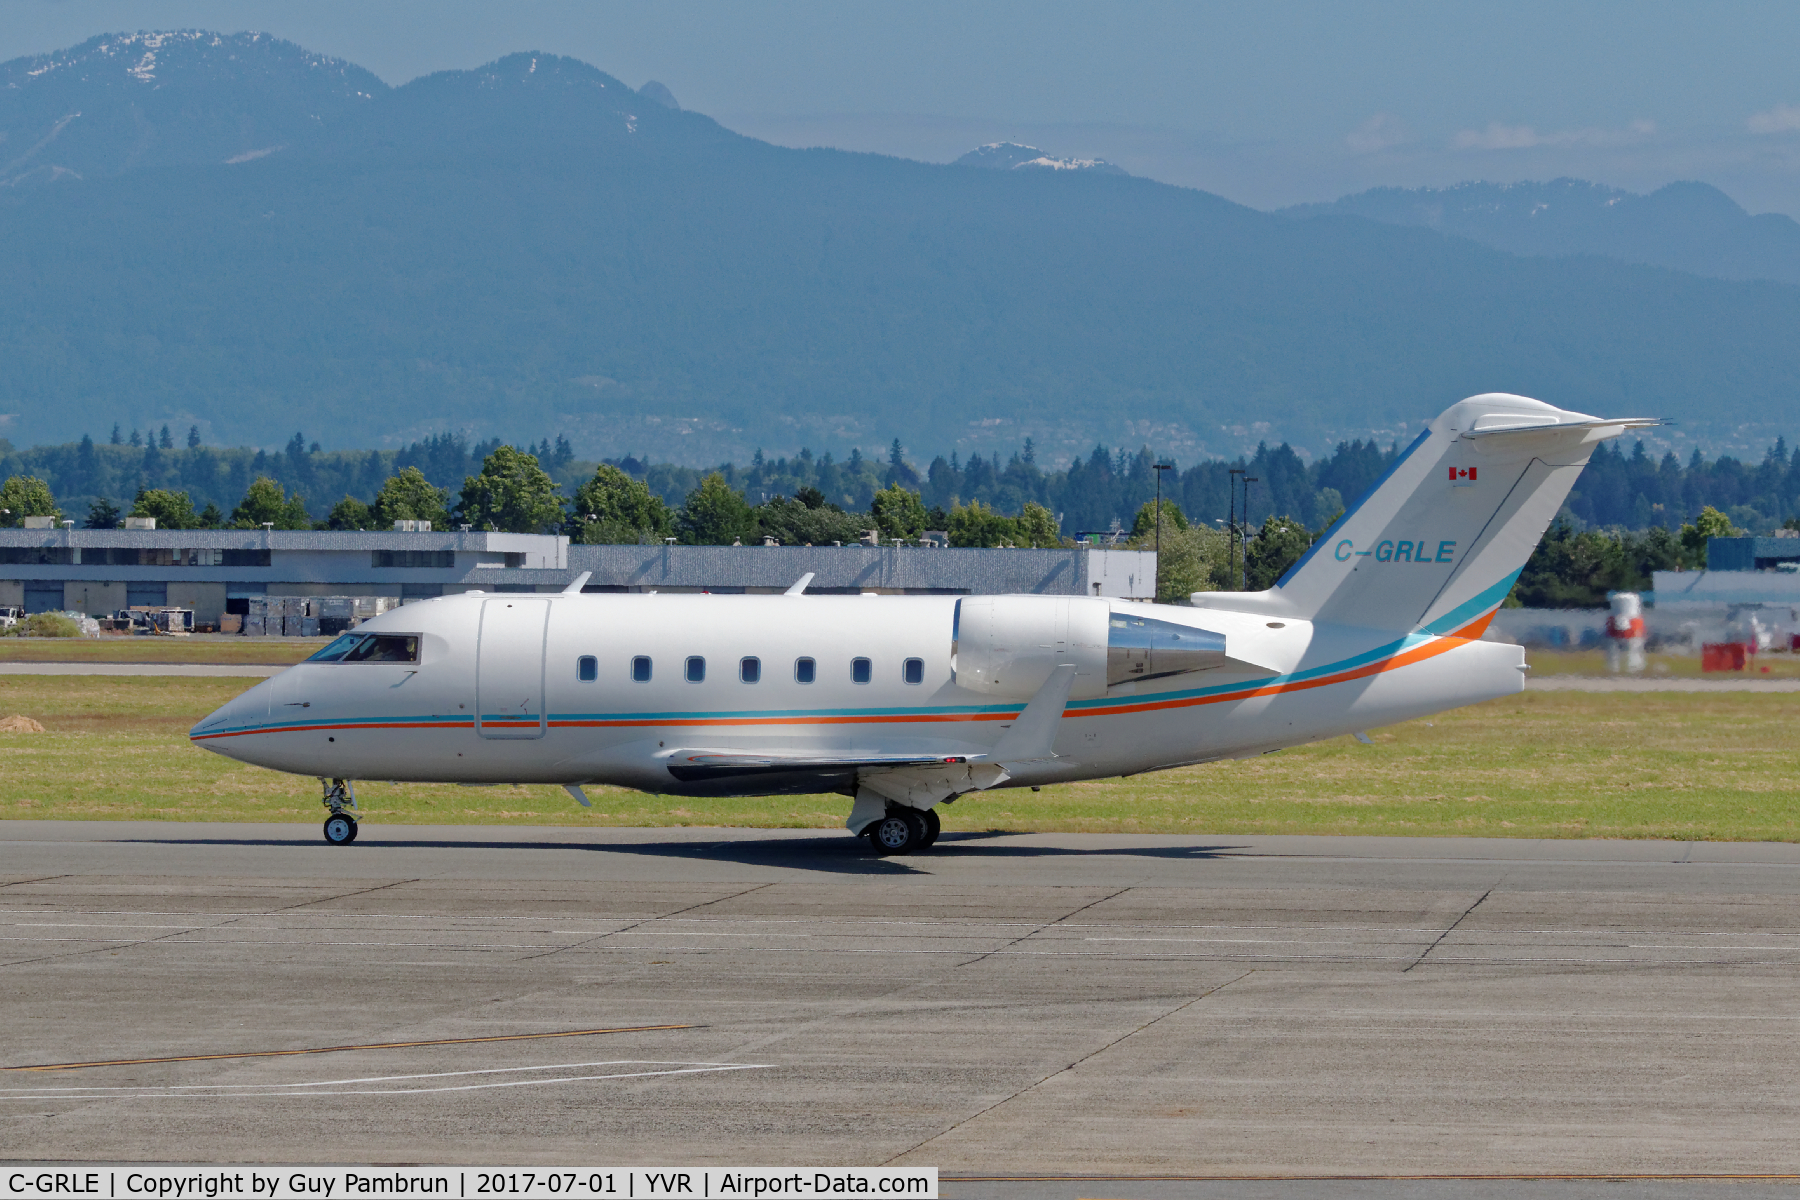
[311, 616]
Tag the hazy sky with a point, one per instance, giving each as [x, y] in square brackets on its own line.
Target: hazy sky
[1266, 103]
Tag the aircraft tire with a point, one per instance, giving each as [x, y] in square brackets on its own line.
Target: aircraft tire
[902, 831]
[932, 827]
[340, 829]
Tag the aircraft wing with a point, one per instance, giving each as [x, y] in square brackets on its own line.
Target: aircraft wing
[695, 765]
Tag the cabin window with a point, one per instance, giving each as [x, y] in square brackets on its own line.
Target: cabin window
[750, 670]
[587, 668]
[696, 669]
[805, 670]
[860, 670]
[914, 671]
[640, 669]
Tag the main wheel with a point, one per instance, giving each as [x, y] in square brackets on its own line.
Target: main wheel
[932, 826]
[340, 830]
[900, 832]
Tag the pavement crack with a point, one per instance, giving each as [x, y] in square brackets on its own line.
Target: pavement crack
[1031, 933]
[43, 879]
[598, 937]
[343, 896]
[892, 995]
[1064, 1070]
[1449, 929]
[109, 948]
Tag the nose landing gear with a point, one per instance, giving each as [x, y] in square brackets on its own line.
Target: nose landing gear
[340, 798]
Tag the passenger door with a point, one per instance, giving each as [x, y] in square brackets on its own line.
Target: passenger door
[509, 668]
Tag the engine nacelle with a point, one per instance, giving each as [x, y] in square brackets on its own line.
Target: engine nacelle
[1008, 645]
[1146, 648]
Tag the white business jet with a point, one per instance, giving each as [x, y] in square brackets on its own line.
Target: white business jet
[907, 702]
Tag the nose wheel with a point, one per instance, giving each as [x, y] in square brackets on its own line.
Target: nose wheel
[340, 798]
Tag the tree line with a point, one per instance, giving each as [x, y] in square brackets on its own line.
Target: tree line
[1622, 488]
[808, 500]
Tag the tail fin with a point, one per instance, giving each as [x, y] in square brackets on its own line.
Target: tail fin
[1438, 541]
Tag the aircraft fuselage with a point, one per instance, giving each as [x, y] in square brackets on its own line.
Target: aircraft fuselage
[484, 703]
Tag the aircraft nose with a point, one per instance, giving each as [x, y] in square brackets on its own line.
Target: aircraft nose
[213, 730]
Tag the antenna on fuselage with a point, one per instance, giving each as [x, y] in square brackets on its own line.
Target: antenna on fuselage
[799, 585]
[574, 589]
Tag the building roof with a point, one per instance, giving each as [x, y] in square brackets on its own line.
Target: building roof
[280, 539]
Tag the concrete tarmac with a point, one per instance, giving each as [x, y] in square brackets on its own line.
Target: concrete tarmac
[245, 670]
[1108, 1006]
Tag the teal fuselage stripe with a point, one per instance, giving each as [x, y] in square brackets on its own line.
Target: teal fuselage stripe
[1467, 611]
[1451, 621]
[1455, 620]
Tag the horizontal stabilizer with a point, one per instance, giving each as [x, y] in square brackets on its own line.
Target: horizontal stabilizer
[1486, 427]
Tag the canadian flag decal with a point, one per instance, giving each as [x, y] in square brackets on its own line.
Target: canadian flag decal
[1462, 476]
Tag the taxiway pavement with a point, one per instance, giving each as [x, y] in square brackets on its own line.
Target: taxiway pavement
[204, 670]
[1004, 1005]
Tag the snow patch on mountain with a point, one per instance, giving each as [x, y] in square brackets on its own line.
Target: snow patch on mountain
[1015, 156]
[142, 55]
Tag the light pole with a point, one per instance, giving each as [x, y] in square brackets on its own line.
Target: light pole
[1231, 524]
[1244, 537]
[1159, 468]
[1234, 534]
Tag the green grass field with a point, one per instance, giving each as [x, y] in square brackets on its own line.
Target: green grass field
[1558, 764]
[200, 648]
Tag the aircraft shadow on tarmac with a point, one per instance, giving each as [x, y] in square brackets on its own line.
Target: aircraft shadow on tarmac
[842, 855]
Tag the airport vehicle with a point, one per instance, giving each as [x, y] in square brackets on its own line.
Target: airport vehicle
[907, 702]
[10, 615]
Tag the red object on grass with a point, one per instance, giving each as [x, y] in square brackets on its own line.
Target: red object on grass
[1722, 656]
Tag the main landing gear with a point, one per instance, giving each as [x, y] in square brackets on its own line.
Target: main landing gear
[340, 798]
[904, 831]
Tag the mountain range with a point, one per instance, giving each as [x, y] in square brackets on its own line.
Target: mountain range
[231, 232]
[1686, 226]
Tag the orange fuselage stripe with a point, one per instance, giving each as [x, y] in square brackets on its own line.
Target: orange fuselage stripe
[1441, 645]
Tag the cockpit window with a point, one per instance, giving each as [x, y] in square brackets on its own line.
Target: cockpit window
[339, 648]
[371, 647]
